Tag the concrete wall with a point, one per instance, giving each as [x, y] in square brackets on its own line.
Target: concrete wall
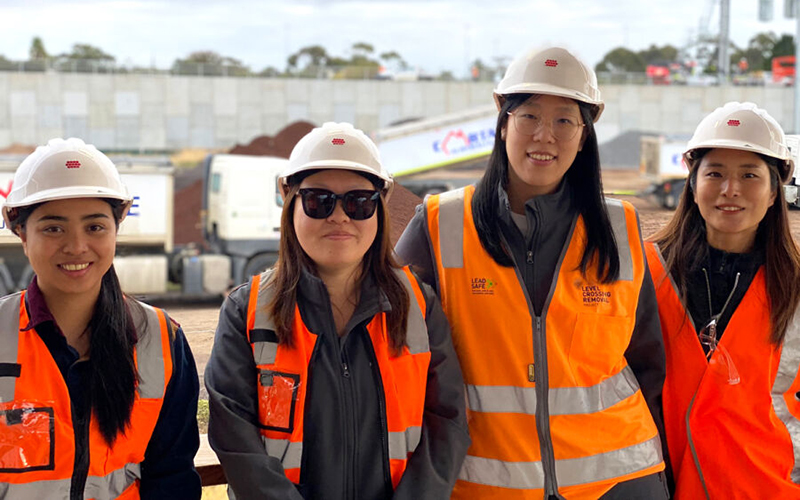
[162, 112]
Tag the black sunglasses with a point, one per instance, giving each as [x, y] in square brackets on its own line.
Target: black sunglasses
[358, 204]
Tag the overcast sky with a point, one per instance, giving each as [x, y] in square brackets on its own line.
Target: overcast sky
[434, 35]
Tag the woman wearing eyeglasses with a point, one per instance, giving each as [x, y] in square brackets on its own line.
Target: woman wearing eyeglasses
[726, 271]
[333, 375]
[551, 305]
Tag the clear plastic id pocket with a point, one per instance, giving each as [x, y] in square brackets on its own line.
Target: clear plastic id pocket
[277, 398]
[27, 438]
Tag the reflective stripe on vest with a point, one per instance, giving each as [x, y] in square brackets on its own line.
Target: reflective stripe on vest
[53, 478]
[451, 232]
[573, 472]
[787, 372]
[562, 400]
[261, 332]
[97, 488]
[587, 387]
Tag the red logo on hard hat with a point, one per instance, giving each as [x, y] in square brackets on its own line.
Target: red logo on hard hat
[734, 123]
[337, 142]
[73, 164]
[551, 63]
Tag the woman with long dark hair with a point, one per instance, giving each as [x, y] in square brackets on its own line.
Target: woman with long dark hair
[333, 375]
[98, 392]
[550, 301]
[726, 270]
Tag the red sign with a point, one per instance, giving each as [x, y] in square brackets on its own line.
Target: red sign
[337, 142]
[73, 164]
[734, 123]
[551, 63]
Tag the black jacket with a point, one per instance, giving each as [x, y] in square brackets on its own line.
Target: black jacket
[342, 455]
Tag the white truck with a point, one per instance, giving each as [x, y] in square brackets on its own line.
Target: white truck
[661, 162]
[241, 225]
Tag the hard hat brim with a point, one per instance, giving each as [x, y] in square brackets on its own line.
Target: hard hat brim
[69, 193]
[546, 89]
[741, 146]
[388, 184]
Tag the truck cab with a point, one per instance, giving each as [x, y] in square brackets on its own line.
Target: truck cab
[242, 210]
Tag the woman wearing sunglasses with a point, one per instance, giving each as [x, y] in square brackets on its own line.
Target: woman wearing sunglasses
[551, 305]
[726, 271]
[333, 374]
[98, 392]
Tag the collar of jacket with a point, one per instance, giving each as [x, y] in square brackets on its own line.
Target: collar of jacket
[314, 301]
[553, 208]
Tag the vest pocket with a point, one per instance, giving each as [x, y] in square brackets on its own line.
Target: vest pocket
[598, 345]
[27, 438]
[277, 398]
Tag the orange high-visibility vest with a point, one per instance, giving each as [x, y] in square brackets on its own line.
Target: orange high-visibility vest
[283, 376]
[595, 428]
[37, 440]
[730, 440]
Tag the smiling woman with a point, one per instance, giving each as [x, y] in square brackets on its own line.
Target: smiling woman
[98, 392]
[726, 270]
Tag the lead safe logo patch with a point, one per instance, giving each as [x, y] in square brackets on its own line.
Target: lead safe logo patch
[483, 286]
[593, 295]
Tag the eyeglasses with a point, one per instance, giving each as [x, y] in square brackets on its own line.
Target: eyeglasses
[358, 204]
[564, 128]
[722, 363]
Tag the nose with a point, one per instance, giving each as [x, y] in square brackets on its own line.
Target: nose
[75, 243]
[730, 187]
[338, 214]
[545, 132]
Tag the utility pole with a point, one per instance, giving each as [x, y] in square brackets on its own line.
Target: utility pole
[723, 60]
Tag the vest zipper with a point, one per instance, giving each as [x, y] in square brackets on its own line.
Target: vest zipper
[81, 465]
[351, 431]
[387, 475]
[543, 410]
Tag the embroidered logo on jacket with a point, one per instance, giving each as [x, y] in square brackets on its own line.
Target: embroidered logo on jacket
[483, 286]
[593, 295]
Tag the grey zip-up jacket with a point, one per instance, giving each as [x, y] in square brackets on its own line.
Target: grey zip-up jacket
[536, 253]
[342, 433]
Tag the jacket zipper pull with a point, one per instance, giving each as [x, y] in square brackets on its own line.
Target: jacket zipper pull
[346, 373]
[530, 257]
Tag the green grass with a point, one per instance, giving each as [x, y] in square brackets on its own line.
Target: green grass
[202, 416]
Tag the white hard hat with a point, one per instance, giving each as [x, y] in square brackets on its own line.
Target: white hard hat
[337, 146]
[65, 169]
[746, 127]
[553, 71]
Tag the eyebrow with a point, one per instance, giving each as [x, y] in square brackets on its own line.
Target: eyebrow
[558, 109]
[745, 165]
[59, 218]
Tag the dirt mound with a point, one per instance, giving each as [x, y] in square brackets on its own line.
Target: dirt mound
[280, 145]
[188, 200]
[17, 149]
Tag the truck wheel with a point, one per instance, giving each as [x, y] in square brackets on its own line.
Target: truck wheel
[258, 263]
[669, 201]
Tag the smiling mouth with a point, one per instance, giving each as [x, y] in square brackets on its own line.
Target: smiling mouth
[541, 156]
[730, 209]
[74, 267]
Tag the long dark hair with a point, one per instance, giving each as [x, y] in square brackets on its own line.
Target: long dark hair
[585, 185]
[113, 336]
[379, 261]
[684, 246]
